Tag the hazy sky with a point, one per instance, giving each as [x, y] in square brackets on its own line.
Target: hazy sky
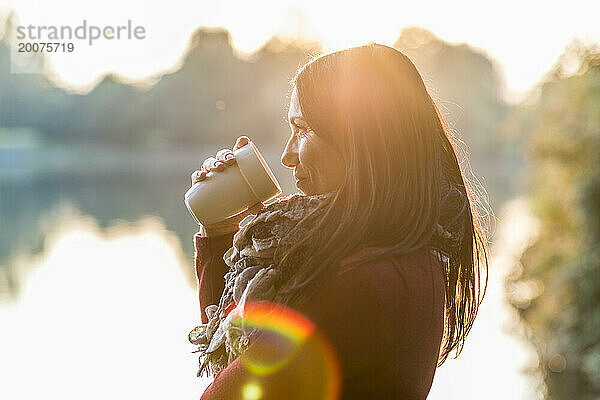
[524, 37]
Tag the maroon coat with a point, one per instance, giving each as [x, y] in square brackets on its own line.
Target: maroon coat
[383, 321]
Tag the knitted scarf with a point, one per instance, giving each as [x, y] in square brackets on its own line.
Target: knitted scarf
[256, 273]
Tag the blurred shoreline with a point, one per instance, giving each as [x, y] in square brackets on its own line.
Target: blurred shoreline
[79, 160]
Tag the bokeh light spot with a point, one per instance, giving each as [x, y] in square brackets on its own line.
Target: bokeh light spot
[251, 391]
[557, 363]
[220, 105]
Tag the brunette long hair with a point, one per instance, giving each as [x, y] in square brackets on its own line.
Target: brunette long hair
[403, 183]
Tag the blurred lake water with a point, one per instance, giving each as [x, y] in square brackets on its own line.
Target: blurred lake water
[97, 288]
[101, 314]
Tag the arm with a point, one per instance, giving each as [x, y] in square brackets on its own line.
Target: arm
[213, 240]
[350, 325]
[210, 267]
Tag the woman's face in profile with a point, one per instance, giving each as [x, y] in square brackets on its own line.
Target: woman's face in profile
[318, 167]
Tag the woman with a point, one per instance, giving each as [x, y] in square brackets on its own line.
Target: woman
[392, 276]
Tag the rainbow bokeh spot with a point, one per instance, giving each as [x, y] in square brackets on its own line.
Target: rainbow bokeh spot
[288, 347]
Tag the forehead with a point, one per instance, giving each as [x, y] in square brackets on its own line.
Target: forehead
[294, 109]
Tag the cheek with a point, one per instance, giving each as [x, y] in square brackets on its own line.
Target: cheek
[311, 158]
[303, 155]
[320, 162]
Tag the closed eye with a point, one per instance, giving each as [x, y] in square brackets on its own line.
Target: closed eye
[301, 133]
[295, 125]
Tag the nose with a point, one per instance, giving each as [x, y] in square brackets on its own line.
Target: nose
[289, 157]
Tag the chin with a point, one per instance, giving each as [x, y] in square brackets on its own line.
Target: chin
[303, 191]
[300, 185]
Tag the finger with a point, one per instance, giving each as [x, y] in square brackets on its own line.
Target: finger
[222, 153]
[219, 166]
[229, 158]
[209, 163]
[226, 156]
[241, 142]
[198, 175]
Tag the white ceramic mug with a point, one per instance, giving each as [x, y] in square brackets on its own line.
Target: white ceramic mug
[225, 193]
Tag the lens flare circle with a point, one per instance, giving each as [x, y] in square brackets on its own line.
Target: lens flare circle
[286, 338]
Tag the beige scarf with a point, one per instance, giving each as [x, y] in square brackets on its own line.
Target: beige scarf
[255, 274]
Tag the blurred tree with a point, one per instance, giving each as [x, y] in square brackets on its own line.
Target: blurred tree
[558, 290]
[465, 83]
[214, 96]
[467, 87]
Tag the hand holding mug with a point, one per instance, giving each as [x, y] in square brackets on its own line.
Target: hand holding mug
[223, 159]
